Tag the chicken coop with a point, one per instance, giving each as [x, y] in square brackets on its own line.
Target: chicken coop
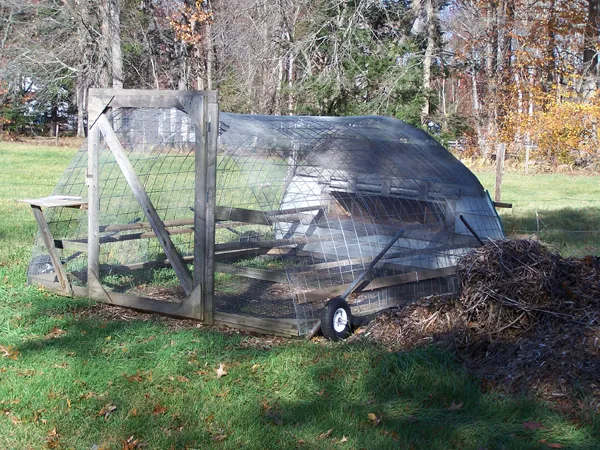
[254, 221]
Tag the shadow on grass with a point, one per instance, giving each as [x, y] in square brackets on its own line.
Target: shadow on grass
[166, 393]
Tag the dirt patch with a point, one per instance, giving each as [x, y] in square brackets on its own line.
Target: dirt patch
[525, 319]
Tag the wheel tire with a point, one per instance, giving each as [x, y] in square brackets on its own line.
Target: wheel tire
[336, 319]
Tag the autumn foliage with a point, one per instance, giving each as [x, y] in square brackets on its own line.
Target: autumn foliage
[529, 71]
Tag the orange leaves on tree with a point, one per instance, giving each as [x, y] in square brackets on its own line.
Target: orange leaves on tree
[187, 22]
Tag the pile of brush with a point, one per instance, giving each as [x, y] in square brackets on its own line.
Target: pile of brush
[515, 285]
[522, 313]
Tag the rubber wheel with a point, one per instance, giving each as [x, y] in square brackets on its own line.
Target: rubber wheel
[336, 319]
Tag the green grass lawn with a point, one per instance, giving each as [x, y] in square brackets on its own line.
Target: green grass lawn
[71, 378]
[567, 207]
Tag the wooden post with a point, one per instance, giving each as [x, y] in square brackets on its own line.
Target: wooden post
[199, 191]
[500, 151]
[142, 197]
[95, 289]
[49, 243]
[212, 137]
[197, 112]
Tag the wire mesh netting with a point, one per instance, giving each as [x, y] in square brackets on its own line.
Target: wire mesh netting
[304, 204]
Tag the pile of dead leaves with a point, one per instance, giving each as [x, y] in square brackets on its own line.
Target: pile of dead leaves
[524, 317]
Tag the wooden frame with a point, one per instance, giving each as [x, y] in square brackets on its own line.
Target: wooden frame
[202, 107]
[198, 284]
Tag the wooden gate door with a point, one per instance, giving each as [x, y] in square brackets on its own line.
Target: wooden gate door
[202, 108]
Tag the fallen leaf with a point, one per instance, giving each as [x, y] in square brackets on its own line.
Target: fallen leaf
[455, 406]
[158, 409]
[373, 418]
[554, 445]
[131, 444]
[219, 437]
[136, 377]
[326, 434]
[133, 412]
[533, 425]
[224, 393]
[9, 352]
[52, 438]
[254, 367]
[55, 332]
[183, 379]
[107, 410]
[221, 372]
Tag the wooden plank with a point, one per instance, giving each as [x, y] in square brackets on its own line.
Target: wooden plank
[138, 303]
[93, 241]
[80, 244]
[49, 243]
[501, 150]
[314, 330]
[224, 213]
[276, 276]
[462, 242]
[142, 197]
[226, 256]
[241, 215]
[282, 327]
[196, 110]
[212, 144]
[375, 284]
[236, 255]
[259, 217]
[47, 281]
[143, 98]
[72, 245]
[502, 205]
[145, 225]
[168, 224]
[330, 265]
[272, 243]
[257, 330]
[55, 201]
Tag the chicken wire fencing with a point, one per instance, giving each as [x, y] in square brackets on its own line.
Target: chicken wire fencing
[303, 205]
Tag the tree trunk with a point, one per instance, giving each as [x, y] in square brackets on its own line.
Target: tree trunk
[105, 45]
[80, 99]
[590, 54]
[290, 75]
[210, 56]
[115, 43]
[427, 61]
